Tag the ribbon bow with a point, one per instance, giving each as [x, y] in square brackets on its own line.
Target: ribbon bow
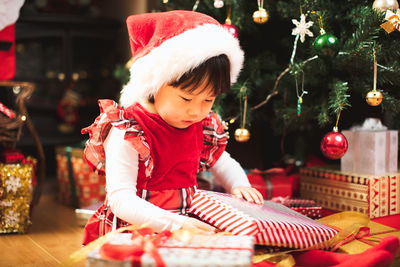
[144, 240]
[352, 226]
[393, 21]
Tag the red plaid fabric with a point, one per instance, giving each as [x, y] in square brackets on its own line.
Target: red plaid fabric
[113, 115]
[215, 141]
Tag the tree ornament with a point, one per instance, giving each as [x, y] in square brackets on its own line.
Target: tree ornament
[300, 95]
[374, 97]
[334, 144]
[326, 45]
[260, 16]
[242, 135]
[393, 21]
[385, 4]
[231, 28]
[228, 25]
[218, 3]
[302, 28]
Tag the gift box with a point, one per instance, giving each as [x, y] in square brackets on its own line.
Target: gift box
[306, 207]
[83, 214]
[273, 183]
[374, 195]
[372, 149]
[78, 184]
[197, 250]
[365, 234]
[15, 197]
[271, 224]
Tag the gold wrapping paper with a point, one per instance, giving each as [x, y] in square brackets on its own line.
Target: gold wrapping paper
[375, 195]
[349, 223]
[15, 197]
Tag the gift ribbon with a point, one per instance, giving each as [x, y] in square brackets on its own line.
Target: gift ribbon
[361, 236]
[393, 21]
[144, 240]
[80, 255]
[352, 226]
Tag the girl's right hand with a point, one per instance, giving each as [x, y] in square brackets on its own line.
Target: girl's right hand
[198, 227]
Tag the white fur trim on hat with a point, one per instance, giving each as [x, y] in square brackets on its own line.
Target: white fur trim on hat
[177, 55]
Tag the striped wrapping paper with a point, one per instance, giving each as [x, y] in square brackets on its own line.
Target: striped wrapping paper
[271, 224]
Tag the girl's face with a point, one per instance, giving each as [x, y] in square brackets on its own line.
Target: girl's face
[179, 108]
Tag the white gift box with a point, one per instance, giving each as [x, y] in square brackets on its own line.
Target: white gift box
[372, 149]
[199, 251]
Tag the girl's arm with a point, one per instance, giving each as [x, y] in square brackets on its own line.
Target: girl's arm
[228, 172]
[121, 176]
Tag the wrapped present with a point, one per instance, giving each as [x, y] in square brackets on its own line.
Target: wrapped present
[271, 224]
[165, 249]
[9, 155]
[306, 207]
[78, 184]
[372, 149]
[15, 197]
[274, 182]
[374, 195]
[357, 232]
[83, 214]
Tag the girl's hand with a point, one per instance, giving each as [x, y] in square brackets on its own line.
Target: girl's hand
[248, 193]
[197, 226]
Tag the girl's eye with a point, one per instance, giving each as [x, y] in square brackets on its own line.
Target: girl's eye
[209, 100]
[186, 99]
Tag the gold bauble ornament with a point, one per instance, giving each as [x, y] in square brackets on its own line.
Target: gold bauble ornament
[260, 16]
[374, 98]
[385, 5]
[242, 135]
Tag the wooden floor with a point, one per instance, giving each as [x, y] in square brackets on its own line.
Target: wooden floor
[53, 236]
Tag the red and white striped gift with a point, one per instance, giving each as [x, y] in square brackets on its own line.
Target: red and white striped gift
[271, 224]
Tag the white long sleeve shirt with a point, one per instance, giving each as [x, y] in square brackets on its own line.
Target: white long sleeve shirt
[122, 164]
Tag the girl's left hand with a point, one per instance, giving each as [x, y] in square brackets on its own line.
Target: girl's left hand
[248, 193]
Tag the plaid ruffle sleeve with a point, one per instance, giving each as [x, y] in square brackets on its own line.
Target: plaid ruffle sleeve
[215, 141]
[112, 115]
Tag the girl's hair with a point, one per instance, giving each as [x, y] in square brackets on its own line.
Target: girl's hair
[214, 73]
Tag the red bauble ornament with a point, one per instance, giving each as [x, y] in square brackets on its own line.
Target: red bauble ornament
[334, 145]
[231, 28]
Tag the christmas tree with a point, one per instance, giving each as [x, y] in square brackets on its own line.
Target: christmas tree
[309, 66]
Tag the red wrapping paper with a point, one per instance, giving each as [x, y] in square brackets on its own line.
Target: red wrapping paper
[274, 182]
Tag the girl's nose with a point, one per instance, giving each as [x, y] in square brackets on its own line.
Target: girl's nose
[193, 111]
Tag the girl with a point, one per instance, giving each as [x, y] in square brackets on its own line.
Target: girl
[152, 149]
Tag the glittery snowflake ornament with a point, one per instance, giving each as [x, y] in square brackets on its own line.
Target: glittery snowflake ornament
[302, 28]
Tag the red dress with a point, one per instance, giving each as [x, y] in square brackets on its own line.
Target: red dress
[169, 158]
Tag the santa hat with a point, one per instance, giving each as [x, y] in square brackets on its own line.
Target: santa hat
[166, 45]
